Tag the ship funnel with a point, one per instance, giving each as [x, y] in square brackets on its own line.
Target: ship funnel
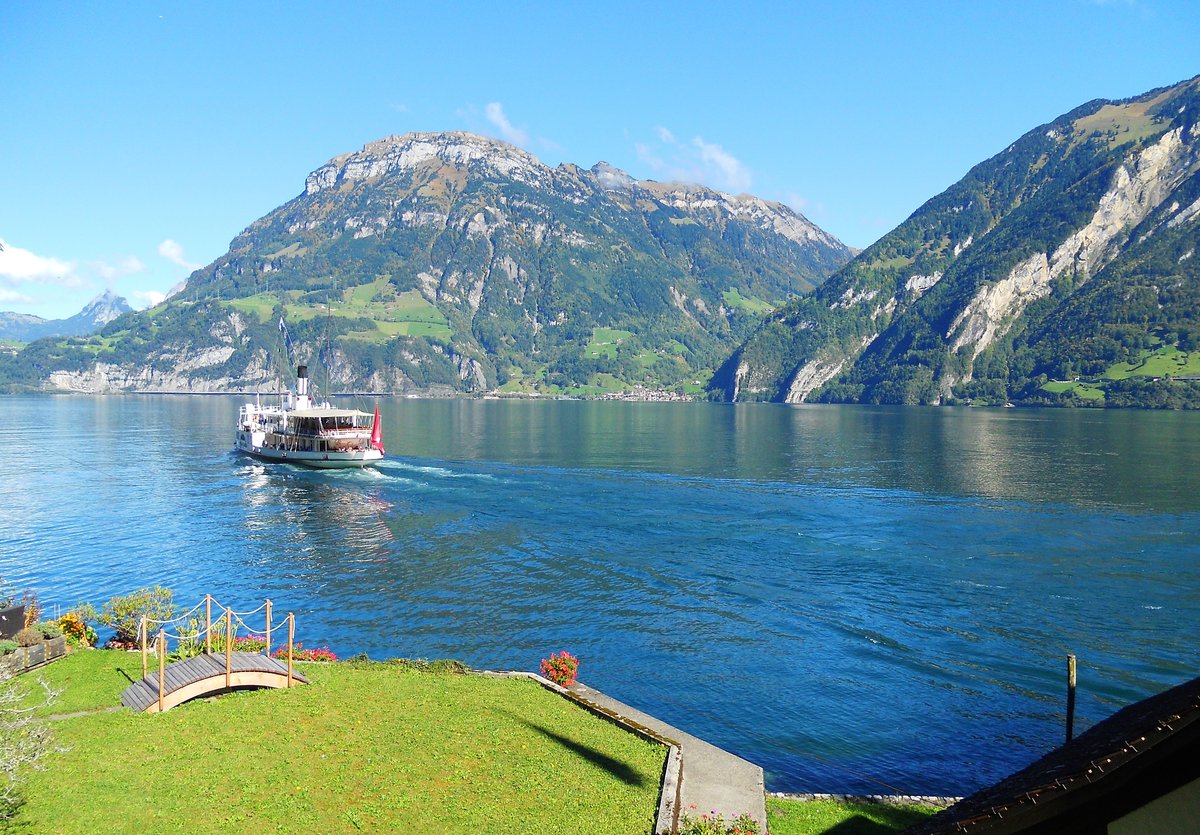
[302, 380]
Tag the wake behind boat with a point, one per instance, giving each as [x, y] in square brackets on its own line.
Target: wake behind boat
[301, 431]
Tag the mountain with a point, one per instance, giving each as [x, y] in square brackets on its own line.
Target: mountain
[23, 327]
[452, 262]
[1060, 271]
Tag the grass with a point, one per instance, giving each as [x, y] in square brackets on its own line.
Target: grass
[1123, 123]
[395, 314]
[605, 341]
[1158, 363]
[750, 304]
[808, 817]
[260, 305]
[378, 747]
[1087, 391]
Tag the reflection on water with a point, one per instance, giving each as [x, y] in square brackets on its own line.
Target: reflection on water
[855, 598]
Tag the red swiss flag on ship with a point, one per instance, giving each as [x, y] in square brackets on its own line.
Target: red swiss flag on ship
[377, 432]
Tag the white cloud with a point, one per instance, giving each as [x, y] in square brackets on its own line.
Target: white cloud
[19, 265]
[128, 265]
[147, 298]
[647, 156]
[697, 161]
[728, 168]
[495, 114]
[173, 252]
[12, 296]
[797, 201]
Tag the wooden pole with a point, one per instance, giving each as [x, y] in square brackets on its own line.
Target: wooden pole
[291, 637]
[142, 637]
[162, 667]
[268, 628]
[208, 624]
[1070, 697]
[228, 647]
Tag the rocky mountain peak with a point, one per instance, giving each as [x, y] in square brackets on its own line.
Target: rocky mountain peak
[611, 178]
[104, 308]
[409, 151]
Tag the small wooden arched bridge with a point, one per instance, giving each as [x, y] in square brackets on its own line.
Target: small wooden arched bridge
[210, 657]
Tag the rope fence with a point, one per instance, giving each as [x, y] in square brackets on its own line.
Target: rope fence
[225, 628]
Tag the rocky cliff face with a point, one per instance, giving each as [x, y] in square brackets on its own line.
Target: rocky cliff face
[973, 279]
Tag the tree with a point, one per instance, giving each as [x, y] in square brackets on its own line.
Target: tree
[25, 738]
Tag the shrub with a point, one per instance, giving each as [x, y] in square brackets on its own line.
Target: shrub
[715, 824]
[448, 665]
[49, 629]
[125, 612]
[299, 653]
[76, 625]
[249, 643]
[28, 637]
[33, 609]
[561, 668]
[75, 629]
[7, 647]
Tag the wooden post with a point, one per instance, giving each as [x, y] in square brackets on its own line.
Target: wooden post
[268, 636]
[1070, 697]
[208, 624]
[228, 646]
[291, 637]
[162, 667]
[142, 637]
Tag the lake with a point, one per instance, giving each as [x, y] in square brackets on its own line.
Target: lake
[858, 599]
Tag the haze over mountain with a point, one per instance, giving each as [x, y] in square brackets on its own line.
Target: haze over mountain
[1062, 270]
[22, 327]
[463, 263]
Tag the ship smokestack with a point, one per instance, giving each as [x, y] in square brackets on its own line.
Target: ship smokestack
[301, 380]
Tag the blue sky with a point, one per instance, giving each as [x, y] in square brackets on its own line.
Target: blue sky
[138, 138]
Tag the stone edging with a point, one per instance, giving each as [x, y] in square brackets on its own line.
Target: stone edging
[932, 801]
[666, 820]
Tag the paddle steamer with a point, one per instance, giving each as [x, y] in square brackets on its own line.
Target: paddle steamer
[301, 431]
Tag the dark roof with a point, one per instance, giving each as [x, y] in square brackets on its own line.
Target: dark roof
[1119, 740]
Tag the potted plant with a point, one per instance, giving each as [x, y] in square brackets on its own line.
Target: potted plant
[12, 612]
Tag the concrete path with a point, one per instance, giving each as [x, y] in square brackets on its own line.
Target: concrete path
[713, 780]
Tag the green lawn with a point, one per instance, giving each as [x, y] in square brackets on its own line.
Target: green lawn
[378, 747]
[809, 817]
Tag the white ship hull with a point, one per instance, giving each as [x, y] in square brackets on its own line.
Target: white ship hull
[324, 460]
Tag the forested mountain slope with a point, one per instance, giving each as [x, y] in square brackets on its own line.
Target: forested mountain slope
[1060, 271]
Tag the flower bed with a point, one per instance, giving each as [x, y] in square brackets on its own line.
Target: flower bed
[24, 658]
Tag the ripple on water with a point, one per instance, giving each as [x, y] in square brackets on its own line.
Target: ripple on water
[849, 604]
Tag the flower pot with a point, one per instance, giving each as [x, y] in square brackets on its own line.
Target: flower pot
[35, 654]
[12, 621]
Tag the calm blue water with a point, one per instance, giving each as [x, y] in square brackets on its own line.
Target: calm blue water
[857, 599]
